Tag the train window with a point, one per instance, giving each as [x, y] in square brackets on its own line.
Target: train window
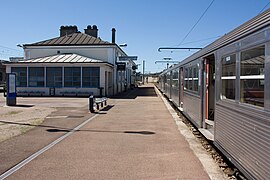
[252, 76]
[186, 79]
[195, 77]
[168, 78]
[192, 78]
[228, 77]
[190, 86]
[175, 78]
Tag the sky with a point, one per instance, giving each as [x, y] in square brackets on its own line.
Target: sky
[144, 25]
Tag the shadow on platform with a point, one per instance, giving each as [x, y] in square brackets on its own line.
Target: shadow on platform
[134, 93]
[55, 129]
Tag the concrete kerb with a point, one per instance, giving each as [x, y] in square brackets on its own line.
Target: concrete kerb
[212, 169]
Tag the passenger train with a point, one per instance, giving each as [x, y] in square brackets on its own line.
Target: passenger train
[224, 89]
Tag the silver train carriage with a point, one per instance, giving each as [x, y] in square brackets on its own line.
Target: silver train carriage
[224, 89]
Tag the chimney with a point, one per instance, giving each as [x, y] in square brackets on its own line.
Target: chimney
[66, 30]
[92, 31]
[113, 35]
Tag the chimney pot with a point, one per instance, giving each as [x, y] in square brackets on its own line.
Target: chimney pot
[66, 30]
[113, 35]
[92, 31]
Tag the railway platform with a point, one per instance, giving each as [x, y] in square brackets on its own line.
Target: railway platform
[137, 136]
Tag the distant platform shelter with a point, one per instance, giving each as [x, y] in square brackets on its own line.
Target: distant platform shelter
[62, 75]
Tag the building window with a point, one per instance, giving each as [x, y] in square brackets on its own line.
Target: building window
[54, 76]
[21, 76]
[36, 77]
[252, 76]
[72, 77]
[90, 77]
[228, 77]
[119, 76]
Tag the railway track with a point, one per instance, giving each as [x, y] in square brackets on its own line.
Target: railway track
[225, 165]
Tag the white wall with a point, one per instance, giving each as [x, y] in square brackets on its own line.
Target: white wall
[105, 53]
[101, 53]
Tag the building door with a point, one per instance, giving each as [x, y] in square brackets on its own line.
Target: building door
[110, 83]
[106, 84]
[52, 91]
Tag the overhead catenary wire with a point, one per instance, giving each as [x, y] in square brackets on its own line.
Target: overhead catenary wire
[196, 23]
[264, 7]
[201, 40]
[10, 48]
[7, 52]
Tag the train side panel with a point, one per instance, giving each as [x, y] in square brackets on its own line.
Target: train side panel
[192, 101]
[242, 121]
[244, 136]
[192, 108]
[175, 86]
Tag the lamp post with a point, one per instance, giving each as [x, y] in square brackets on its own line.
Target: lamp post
[123, 45]
[143, 71]
[167, 60]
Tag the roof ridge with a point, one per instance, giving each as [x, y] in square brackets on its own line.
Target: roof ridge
[59, 55]
[62, 58]
[71, 39]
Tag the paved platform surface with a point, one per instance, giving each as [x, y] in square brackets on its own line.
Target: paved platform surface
[135, 137]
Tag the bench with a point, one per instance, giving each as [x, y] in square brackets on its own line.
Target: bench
[75, 93]
[36, 93]
[68, 93]
[30, 93]
[97, 102]
[100, 101]
[22, 93]
[84, 93]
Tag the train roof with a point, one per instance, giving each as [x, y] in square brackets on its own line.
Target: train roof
[255, 24]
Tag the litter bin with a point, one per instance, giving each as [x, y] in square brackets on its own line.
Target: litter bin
[91, 104]
[100, 91]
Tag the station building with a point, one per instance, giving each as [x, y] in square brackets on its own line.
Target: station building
[73, 64]
[2, 73]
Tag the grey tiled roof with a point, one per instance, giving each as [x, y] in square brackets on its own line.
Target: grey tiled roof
[62, 58]
[71, 39]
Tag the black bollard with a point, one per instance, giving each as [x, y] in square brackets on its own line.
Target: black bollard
[91, 104]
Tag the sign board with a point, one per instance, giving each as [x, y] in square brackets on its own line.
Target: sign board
[11, 89]
[11, 83]
[121, 66]
[128, 58]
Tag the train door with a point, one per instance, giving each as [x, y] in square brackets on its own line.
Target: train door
[181, 88]
[209, 91]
